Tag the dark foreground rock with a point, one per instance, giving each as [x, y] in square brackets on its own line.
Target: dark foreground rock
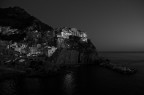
[30, 47]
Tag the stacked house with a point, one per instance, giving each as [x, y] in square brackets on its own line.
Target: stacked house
[65, 33]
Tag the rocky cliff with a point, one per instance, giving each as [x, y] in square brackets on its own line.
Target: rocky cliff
[29, 45]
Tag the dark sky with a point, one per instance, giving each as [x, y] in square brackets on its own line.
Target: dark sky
[115, 25]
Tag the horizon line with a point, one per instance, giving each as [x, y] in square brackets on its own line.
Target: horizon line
[122, 51]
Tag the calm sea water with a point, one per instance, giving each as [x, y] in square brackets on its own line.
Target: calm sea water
[84, 80]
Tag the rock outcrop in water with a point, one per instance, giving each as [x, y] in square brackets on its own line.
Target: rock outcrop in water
[30, 46]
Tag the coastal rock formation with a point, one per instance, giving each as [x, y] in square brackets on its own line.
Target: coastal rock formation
[28, 45]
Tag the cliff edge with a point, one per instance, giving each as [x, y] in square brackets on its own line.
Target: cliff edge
[31, 46]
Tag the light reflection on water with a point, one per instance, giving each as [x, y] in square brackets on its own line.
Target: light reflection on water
[8, 87]
[69, 84]
[62, 84]
[82, 81]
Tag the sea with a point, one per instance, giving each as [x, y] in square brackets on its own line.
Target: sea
[84, 80]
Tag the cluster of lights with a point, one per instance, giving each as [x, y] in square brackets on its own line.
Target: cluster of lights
[17, 48]
[51, 50]
[34, 50]
[65, 33]
[7, 30]
[73, 31]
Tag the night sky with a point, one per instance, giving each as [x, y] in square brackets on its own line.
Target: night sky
[112, 25]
